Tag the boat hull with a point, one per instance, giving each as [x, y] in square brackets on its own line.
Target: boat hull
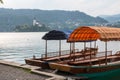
[37, 62]
[104, 71]
[113, 74]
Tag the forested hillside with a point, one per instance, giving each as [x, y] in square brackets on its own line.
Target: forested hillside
[111, 18]
[54, 19]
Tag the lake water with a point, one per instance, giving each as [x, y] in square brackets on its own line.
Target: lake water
[18, 46]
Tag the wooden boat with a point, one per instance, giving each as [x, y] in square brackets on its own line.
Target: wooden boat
[60, 55]
[43, 62]
[102, 67]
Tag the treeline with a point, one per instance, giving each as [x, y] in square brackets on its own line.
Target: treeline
[28, 28]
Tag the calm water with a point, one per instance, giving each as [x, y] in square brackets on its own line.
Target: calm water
[18, 46]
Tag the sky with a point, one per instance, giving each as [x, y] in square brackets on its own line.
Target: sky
[90, 7]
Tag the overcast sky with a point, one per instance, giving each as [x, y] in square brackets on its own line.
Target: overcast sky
[91, 7]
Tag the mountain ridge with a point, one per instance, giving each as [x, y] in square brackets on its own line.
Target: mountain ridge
[111, 18]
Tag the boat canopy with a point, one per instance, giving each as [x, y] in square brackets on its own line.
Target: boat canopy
[55, 35]
[92, 33]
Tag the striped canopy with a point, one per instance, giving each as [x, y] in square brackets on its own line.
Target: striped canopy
[92, 33]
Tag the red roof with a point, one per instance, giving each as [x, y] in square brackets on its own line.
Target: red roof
[92, 33]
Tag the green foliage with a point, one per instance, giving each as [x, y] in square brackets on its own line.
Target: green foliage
[1, 1]
[55, 19]
[22, 28]
[27, 28]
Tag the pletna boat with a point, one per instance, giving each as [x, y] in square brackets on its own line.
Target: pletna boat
[61, 55]
[105, 66]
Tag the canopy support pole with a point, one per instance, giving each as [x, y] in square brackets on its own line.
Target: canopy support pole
[70, 51]
[84, 49]
[95, 45]
[46, 49]
[95, 48]
[59, 48]
[90, 54]
[90, 51]
[74, 51]
[105, 52]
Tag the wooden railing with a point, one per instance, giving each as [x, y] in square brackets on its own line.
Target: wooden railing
[97, 55]
[55, 54]
[102, 54]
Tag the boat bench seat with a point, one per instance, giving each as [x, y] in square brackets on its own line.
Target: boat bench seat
[56, 58]
[82, 61]
[60, 58]
[87, 61]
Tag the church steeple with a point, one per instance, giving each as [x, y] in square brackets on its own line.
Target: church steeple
[34, 21]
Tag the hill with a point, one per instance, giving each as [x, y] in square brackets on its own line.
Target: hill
[54, 19]
[111, 18]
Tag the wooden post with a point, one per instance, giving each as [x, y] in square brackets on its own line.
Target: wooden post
[74, 50]
[95, 48]
[70, 51]
[84, 49]
[46, 49]
[95, 45]
[90, 51]
[90, 55]
[59, 47]
[106, 52]
[74, 47]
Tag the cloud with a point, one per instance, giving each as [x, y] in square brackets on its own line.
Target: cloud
[91, 7]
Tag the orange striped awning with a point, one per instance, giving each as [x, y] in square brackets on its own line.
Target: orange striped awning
[92, 33]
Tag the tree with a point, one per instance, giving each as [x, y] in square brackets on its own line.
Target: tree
[1, 1]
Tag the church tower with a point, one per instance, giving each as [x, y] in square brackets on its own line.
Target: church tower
[34, 21]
